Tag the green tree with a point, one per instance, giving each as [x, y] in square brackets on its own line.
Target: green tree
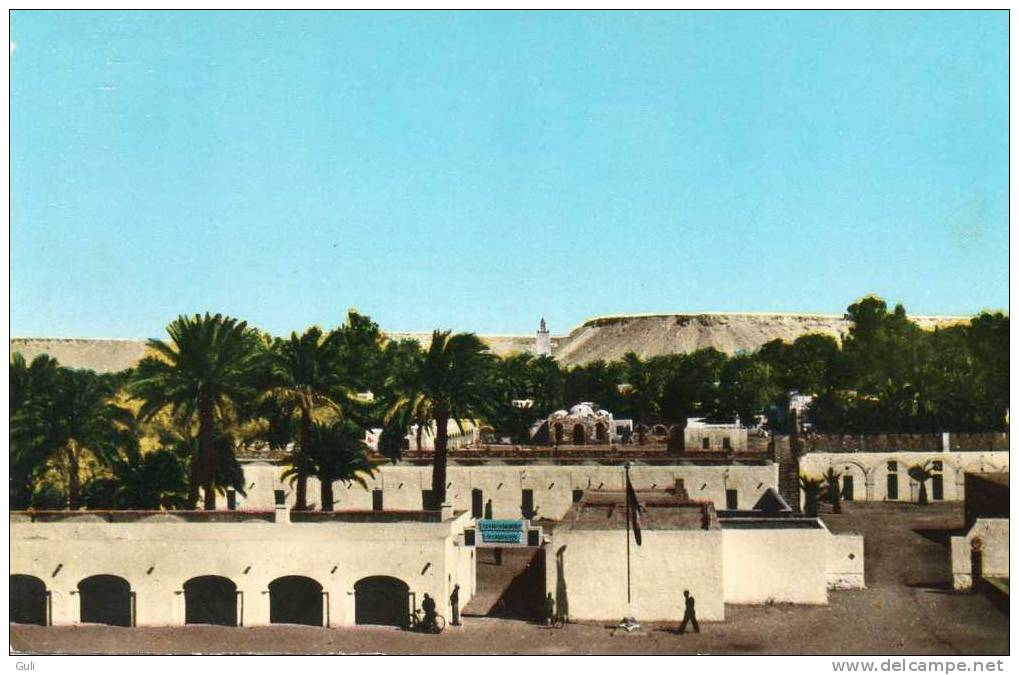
[453, 380]
[691, 387]
[746, 385]
[641, 390]
[209, 366]
[811, 488]
[76, 419]
[153, 480]
[335, 452]
[305, 376]
[27, 381]
[921, 473]
[831, 482]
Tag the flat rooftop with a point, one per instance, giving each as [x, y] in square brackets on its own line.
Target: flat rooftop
[238, 516]
[606, 510]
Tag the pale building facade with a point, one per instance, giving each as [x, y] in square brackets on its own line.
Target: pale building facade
[162, 569]
[465, 434]
[883, 476]
[684, 546]
[545, 491]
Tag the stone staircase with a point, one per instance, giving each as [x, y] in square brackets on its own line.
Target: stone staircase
[513, 589]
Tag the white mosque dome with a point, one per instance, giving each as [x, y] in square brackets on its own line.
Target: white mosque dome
[581, 409]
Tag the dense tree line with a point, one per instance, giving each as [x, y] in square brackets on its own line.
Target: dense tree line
[167, 431]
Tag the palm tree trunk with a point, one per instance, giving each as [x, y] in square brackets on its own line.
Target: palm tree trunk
[439, 462]
[74, 482]
[193, 481]
[302, 479]
[205, 432]
[327, 492]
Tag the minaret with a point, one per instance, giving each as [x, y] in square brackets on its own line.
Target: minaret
[542, 340]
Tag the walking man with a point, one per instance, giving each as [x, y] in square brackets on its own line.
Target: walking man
[689, 615]
[549, 610]
[454, 601]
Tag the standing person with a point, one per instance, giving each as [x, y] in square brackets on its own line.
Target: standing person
[689, 615]
[454, 601]
[488, 510]
[428, 605]
[549, 610]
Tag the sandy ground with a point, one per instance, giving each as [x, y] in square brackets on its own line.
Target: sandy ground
[908, 608]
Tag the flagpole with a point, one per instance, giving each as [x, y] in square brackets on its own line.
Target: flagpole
[626, 495]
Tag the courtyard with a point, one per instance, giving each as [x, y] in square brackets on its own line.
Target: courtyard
[908, 608]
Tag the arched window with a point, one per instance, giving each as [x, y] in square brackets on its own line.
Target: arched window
[105, 598]
[296, 600]
[210, 600]
[381, 601]
[28, 599]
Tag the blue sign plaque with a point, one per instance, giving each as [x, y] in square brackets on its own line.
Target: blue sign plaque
[502, 532]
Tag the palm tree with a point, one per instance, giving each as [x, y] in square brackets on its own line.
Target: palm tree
[811, 494]
[27, 381]
[75, 419]
[305, 376]
[334, 452]
[154, 480]
[831, 480]
[921, 473]
[208, 367]
[452, 380]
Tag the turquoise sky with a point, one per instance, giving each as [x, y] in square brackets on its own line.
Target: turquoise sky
[476, 171]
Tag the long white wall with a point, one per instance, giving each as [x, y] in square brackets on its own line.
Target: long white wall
[552, 485]
[870, 471]
[156, 558]
[774, 564]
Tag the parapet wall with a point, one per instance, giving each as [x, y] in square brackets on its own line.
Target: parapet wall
[953, 442]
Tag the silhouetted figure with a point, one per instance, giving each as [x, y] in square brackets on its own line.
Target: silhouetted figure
[498, 556]
[428, 606]
[549, 610]
[454, 602]
[689, 615]
[488, 510]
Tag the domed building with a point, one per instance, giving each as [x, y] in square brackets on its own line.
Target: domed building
[584, 424]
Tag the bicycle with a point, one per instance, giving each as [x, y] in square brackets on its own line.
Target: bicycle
[417, 623]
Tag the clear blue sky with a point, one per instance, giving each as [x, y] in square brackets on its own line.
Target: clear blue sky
[476, 171]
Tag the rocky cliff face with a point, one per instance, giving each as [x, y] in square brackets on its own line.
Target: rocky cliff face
[607, 338]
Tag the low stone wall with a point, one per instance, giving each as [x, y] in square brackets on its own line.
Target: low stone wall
[845, 562]
[953, 442]
[992, 537]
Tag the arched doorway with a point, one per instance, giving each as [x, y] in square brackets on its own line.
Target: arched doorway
[578, 434]
[28, 599]
[382, 601]
[559, 432]
[105, 598]
[601, 434]
[297, 600]
[211, 600]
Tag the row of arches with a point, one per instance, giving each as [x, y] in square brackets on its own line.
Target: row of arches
[579, 434]
[211, 599]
